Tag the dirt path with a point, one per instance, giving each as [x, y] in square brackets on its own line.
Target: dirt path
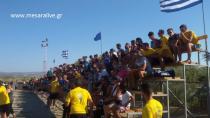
[28, 105]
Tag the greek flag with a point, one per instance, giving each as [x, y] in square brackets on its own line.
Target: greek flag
[176, 5]
[97, 37]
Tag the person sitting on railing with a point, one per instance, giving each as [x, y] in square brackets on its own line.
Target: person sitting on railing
[187, 41]
[173, 42]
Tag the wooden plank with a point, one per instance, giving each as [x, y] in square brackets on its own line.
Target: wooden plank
[155, 79]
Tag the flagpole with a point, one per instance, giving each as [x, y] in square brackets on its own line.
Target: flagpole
[204, 30]
[206, 44]
[101, 46]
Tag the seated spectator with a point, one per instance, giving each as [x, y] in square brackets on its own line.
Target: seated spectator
[152, 108]
[173, 42]
[147, 50]
[143, 65]
[138, 67]
[122, 73]
[151, 55]
[187, 39]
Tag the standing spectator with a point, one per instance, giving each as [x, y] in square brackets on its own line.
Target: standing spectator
[78, 99]
[133, 46]
[54, 91]
[163, 38]
[50, 73]
[152, 108]
[4, 101]
[120, 52]
[173, 42]
[164, 50]
[139, 42]
[10, 93]
[127, 48]
[155, 43]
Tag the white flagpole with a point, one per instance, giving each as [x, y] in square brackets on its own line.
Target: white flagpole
[101, 46]
[206, 44]
[204, 30]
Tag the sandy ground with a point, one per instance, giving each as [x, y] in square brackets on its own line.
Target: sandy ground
[29, 105]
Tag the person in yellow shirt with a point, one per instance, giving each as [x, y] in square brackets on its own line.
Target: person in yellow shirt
[163, 38]
[54, 91]
[151, 55]
[147, 51]
[77, 99]
[165, 51]
[187, 39]
[152, 108]
[4, 101]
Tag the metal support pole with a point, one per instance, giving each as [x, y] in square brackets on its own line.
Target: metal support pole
[101, 46]
[207, 63]
[198, 57]
[168, 98]
[45, 46]
[45, 59]
[185, 91]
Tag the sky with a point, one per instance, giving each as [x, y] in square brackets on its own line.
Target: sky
[119, 21]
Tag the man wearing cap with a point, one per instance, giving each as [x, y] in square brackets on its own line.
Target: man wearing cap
[4, 101]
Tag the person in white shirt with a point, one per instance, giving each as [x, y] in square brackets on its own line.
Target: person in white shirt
[123, 101]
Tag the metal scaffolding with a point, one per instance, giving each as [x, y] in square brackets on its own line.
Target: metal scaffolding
[167, 92]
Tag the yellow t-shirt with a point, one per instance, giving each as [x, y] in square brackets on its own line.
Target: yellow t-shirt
[77, 98]
[152, 109]
[4, 97]
[54, 86]
[164, 40]
[189, 34]
[148, 52]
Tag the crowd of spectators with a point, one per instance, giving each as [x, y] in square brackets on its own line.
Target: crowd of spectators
[109, 77]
